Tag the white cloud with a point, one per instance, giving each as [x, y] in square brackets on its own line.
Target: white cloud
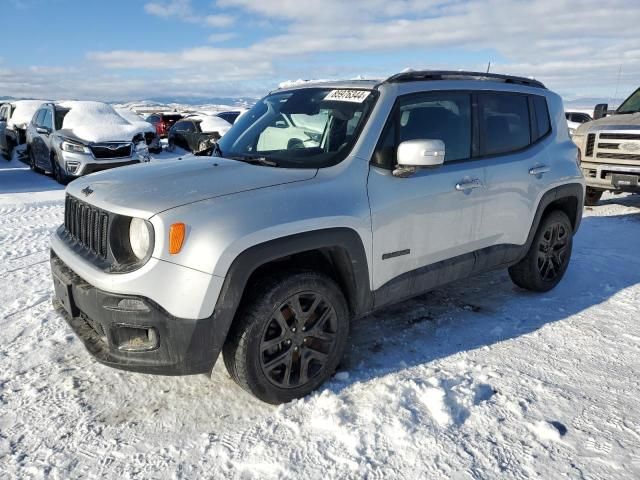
[183, 10]
[221, 37]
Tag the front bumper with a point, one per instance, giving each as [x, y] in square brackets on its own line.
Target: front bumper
[132, 332]
[620, 178]
[79, 164]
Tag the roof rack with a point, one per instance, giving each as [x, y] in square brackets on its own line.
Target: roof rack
[425, 75]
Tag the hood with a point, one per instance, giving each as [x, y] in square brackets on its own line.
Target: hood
[612, 122]
[149, 188]
[96, 122]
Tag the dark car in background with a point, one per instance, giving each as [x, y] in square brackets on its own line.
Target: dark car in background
[198, 133]
[230, 116]
[14, 118]
[163, 122]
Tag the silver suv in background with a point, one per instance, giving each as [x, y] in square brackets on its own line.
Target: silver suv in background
[324, 202]
[72, 139]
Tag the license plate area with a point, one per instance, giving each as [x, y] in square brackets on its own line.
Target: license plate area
[621, 180]
[64, 294]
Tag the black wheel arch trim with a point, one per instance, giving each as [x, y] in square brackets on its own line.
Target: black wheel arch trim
[556, 195]
[347, 255]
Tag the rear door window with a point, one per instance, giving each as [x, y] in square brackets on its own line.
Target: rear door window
[505, 124]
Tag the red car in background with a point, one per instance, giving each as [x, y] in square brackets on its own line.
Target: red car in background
[163, 122]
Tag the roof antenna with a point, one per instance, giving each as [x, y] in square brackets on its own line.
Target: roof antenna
[488, 67]
[615, 95]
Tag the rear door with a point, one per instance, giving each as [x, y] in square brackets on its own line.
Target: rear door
[514, 131]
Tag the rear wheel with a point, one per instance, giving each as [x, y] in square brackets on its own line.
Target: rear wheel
[548, 257]
[592, 196]
[288, 339]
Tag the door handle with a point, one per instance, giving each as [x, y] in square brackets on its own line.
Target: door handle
[539, 170]
[468, 185]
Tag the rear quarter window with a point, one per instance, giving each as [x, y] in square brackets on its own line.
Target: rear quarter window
[543, 124]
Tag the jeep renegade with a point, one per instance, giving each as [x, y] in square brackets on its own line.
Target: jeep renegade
[323, 203]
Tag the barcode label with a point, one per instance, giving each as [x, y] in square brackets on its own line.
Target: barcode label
[355, 96]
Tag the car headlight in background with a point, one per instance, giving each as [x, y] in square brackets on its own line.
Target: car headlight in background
[73, 147]
[572, 132]
[140, 238]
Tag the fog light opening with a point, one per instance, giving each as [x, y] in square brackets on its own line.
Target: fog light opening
[72, 167]
[135, 339]
[132, 305]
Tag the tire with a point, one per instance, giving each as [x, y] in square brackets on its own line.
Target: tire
[8, 154]
[287, 339]
[171, 146]
[548, 257]
[58, 173]
[32, 163]
[592, 196]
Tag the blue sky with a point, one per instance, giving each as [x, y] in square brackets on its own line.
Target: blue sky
[131, 49]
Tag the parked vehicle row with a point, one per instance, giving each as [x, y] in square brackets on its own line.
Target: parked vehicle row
[324, 203]
[71, 139]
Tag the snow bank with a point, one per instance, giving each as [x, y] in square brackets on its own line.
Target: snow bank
[24, 112]
[211, 123]
[98, 122]
[134, 119]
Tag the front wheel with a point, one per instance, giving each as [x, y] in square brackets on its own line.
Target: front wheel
[548, 257]
[288, 339]
[8, 154]
[32, 162]
[58, 172]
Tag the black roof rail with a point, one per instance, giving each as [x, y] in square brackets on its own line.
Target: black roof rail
[425, 75]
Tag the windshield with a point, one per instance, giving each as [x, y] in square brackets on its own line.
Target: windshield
[306, 128]
[631, 104]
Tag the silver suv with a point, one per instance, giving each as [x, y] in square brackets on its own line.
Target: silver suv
[67, 155]
[325, 202]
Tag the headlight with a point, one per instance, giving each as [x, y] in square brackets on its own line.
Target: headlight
[140, 238]
[205, 144]
[572, 132]
[74, 147]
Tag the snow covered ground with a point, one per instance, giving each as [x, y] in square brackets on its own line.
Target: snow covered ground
[476, 380]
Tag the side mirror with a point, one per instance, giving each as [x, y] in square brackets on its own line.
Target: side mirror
[600, 111]
[414, 154]
[43, 130]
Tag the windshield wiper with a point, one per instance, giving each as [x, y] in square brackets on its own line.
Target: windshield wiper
[255, 160]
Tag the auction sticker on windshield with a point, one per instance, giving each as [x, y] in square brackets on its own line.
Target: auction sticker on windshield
[356, 96]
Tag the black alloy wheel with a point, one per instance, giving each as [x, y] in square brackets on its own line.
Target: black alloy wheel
[298, 340]
[552, 251]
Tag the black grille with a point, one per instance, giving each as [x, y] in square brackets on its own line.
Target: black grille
[591, 141]
[87, 225]
[619, 156]
[619, 136]
[610, 146]
[111, 150]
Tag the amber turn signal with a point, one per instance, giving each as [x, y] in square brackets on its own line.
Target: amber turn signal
[176, 237]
